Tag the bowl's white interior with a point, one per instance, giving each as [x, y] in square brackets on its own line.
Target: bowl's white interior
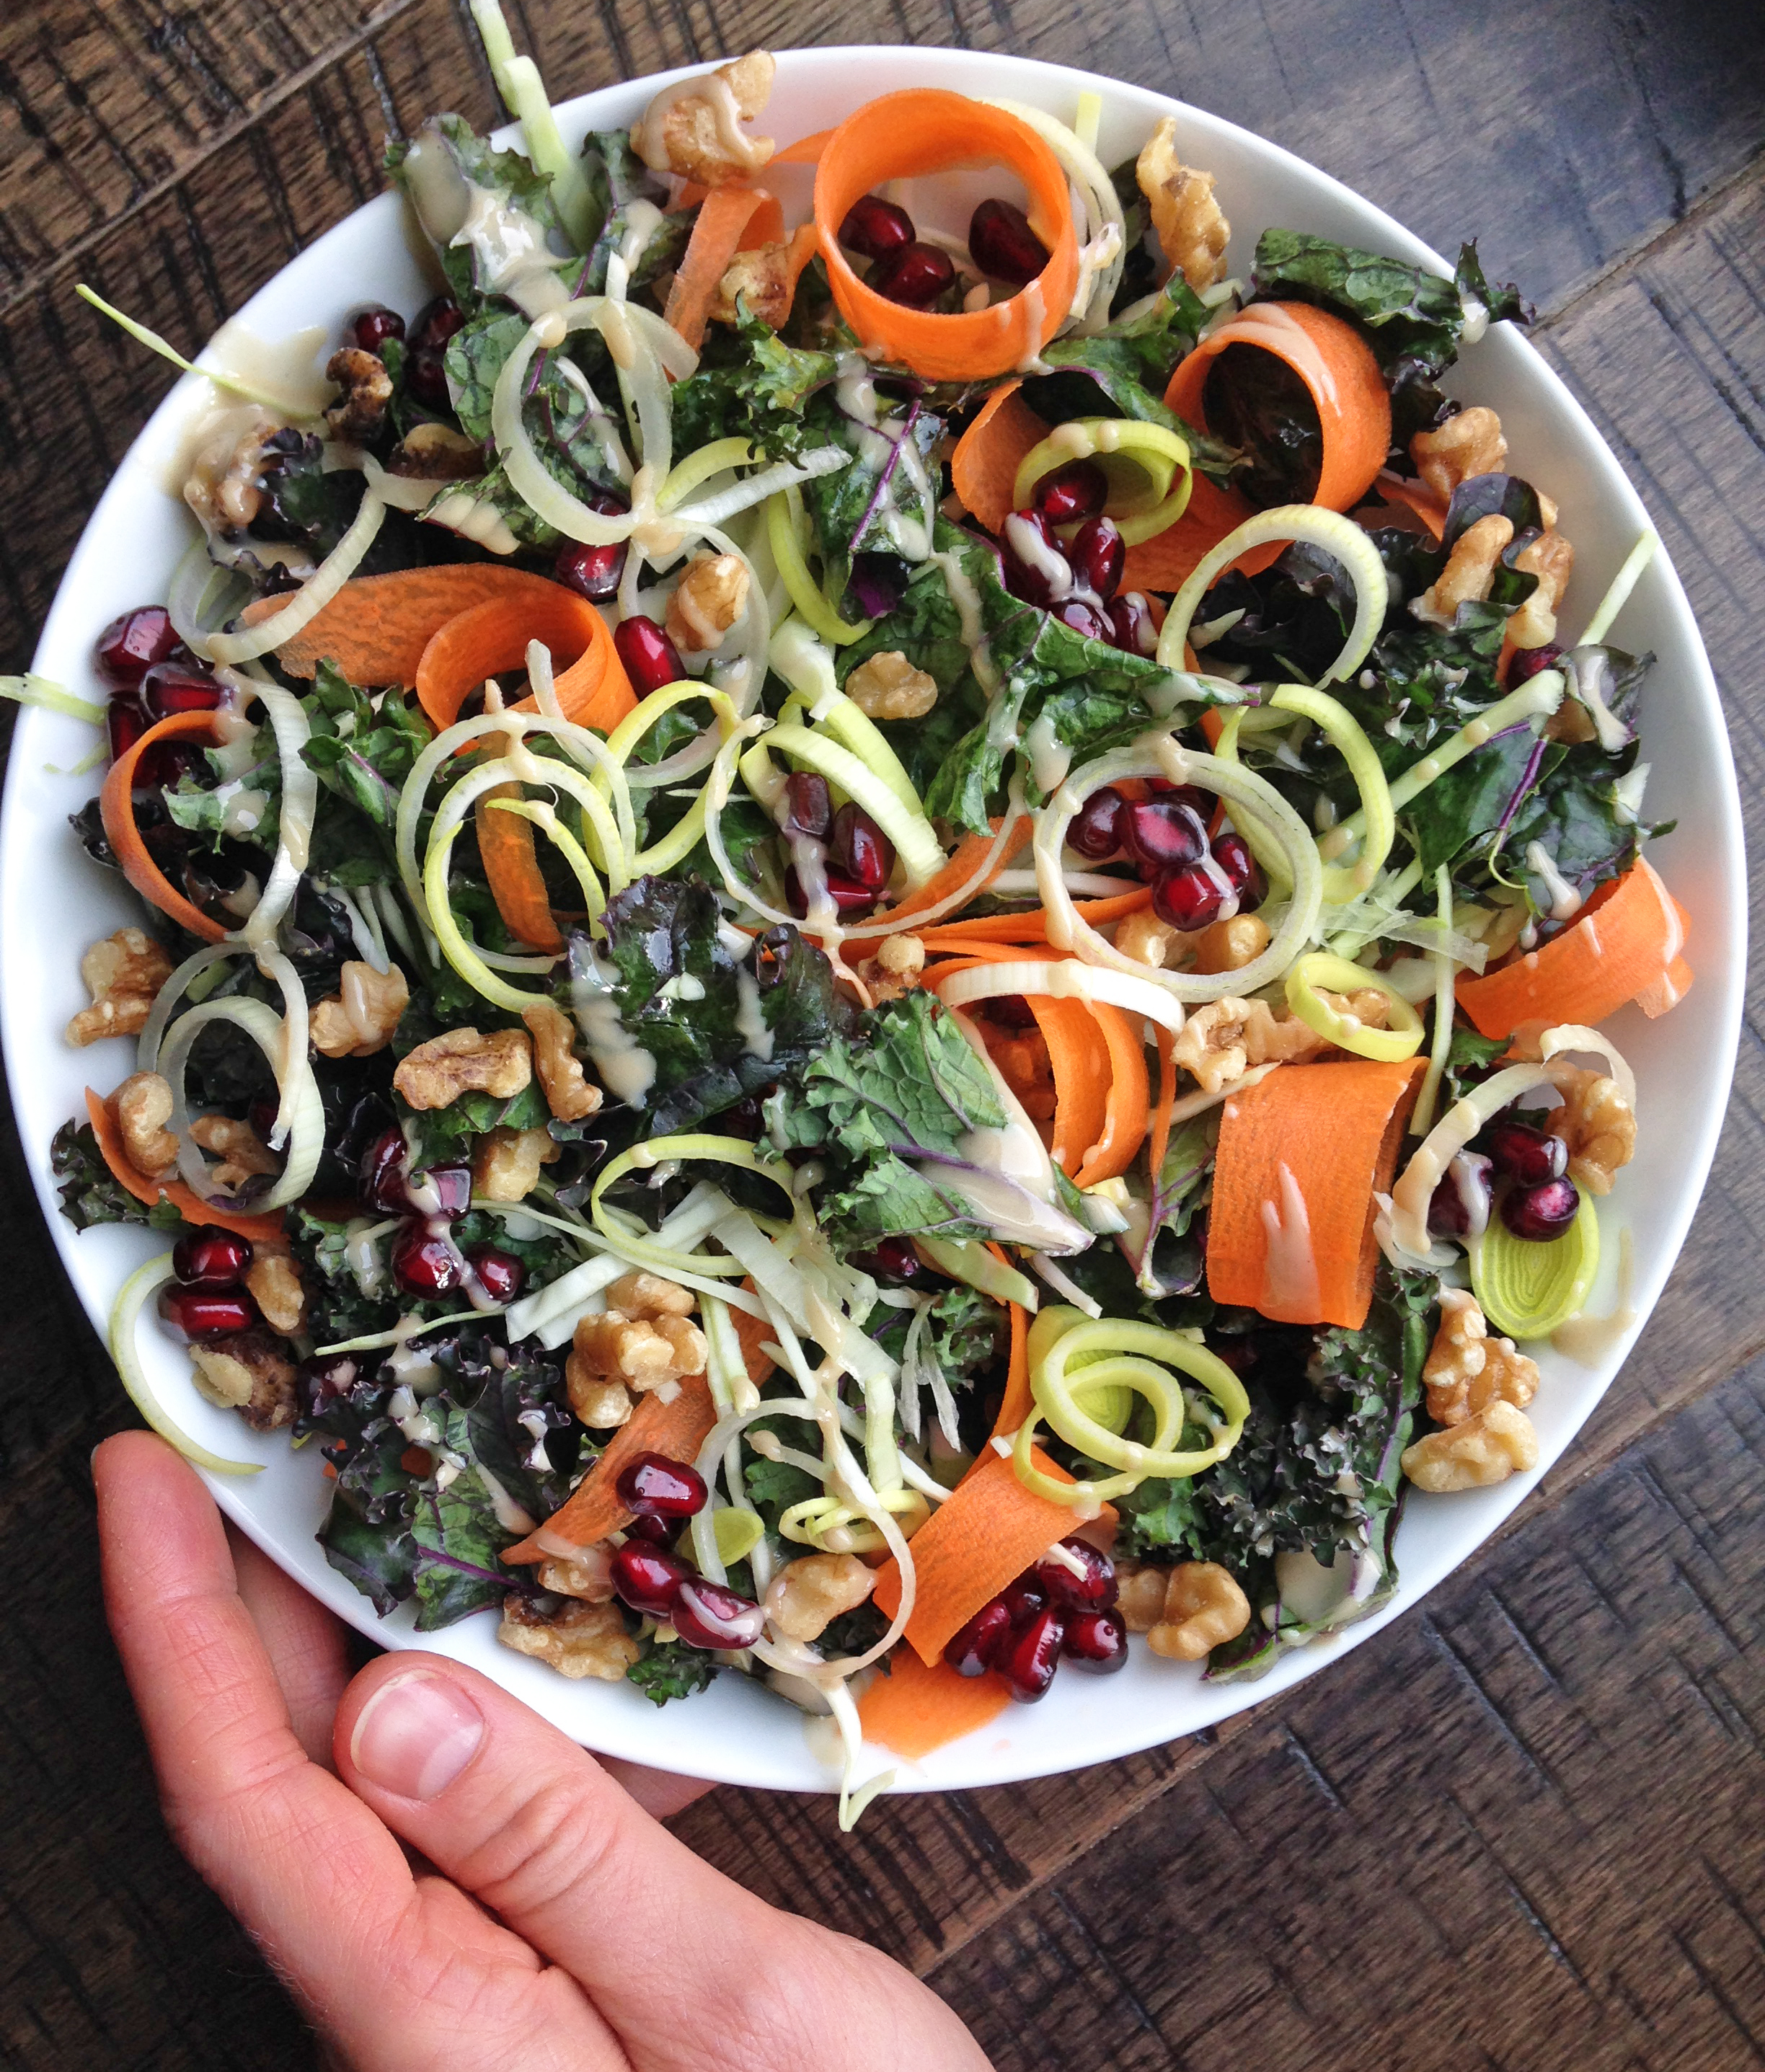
[53, 902]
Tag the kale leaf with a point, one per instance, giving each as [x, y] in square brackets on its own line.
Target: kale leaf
[90, 1194]
[670, 1669]
[507, 175]
[616, 178]
[751, 384]
[363, 744]
[887, 489]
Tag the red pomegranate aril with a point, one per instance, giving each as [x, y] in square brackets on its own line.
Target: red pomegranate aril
[809, 809]
[1130, 621]
[1095, 830]
[656, 1531]
[1524, 1154]
[440, 1190]
[651, 661]
[1028, 1660]
[1096, 1642]
[125, 724]
[1527, 663]
[1189, 897]
[373, 327]
[1001, 244]
[130, 646]
[1035, 563]
[425, 377]
[1540, 1214]
[847, 895]
[648, 1580]
[1083, 619]
[426, 1263]
[205, 1312]
[1447, 1214]
[436, 322]
[500, 1274]
[915, 276]
[653, 1484]
[171, 686]
[1162, 832]
[1010, 1011]
[1098, 554]
[1023, 1598]
[875, 229]
[382, 1174]
[893, 1260]
[1077, 491]
[1094, 1591]
[211, 1258]
[860, 850]
[1231, 852]
[591, 572]
[971, 1652]
[710, 1615]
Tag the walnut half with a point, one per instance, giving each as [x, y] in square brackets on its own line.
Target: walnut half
[1191, 228]
[577, 1640]
[1467, 1369]
[462, 1062]
[123, 974]
[247, 1371]
[1486, 1449]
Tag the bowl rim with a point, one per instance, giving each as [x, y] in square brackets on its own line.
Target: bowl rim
[734, 1756]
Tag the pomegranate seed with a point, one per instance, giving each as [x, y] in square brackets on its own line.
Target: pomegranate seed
[1094, 832]
[971, 1652]
[211, 1257]
[875, 229]
[165, 763]
[1094, 1591]
[648, 1580]
[171, 687]
[1162, 832]
[893, 1260]
[1524, 1154]
[1077, 492]
[1024, 1598]
[1189, 897]
[204, 1313]
[1447, 1214]
[324, 1382]
[711, 1616]
[500, 1273]
[425, 377]
[651, 658]
[1028, 1660]
[1231, 852]
[915, 276]
[125, 724]
[382, 1174]
[439, 1191]
[1529, 662]
[372, 328]
[860, 849]
[424, 1263]
[809, 810]
[1083, 619]
[1541, 1213]
[652, 1485]
[1001, 244]
[591, 572]
[130, 646]
[848, 895]
[1097, 553]
[1096, 1642]
[436, 322]
[1010, 1011]
[1036, 567]
[655, 1531]
[1131, 620]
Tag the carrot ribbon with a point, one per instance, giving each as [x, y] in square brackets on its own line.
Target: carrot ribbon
[258, 1229]
[376, 628]
[117, 810]
[916, 1708]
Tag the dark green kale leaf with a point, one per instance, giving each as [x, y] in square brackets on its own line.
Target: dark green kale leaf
[207, 809]
[751, 384]
[616, 178]
[364, 744]
[89, 1193]
[1169, 1262]
[670, 1669]
[510, 178]
[773, 1487]
[615, 175]
[446, 1134]
[1471, 1058]
[963, 1332]
[864, 506]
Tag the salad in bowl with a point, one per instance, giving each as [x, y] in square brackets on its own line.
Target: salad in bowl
[873, 915]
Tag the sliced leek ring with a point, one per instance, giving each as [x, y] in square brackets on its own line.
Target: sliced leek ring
[1142, 462]
[1347, 1031]
[132, 1298]
[1526, 1289]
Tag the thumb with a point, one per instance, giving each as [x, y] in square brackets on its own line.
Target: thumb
[681, 1961]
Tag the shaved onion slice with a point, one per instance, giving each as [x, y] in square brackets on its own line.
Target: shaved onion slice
[318, 590]
[1337, 536]
[1102, 255]
[295, 1070]
[153, 1029]
[299, 807]
[307, 1132]
[1576, 1036]
[132, 1298]
[1063, 979]
[1415, 1189]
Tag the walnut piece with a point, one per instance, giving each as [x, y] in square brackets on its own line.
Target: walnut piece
[894, 969]
[1140, 1587]
[273, 1281]
[242, 1152]
[123, 974]
[1226, 946]
[645, 1353]
[247, 1371]
[1467, 1369]
[1148, 940]
[462, 1061]
[436, 452]
[1599, 1127]
[707, 601]
[694, 134]
[360, 1017]
[807, 1593]
[1221, 1041]
[888, 686]
[1486, 1449]
[224, 488]
[568, 1094]
[763, 281]
[1222, 946]
[577, 1640]
[1192, 230]
[598, 1402]
[649, 1295]
[1552, 559]
[1470, 569]
[1202, 1607]
[367, 388]
[505, 1166]
[588, 1576]
[1467, 444]
[143, 1107]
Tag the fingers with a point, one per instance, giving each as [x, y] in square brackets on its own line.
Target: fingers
[307, 1647]
[660, 1793]
[686, 1967]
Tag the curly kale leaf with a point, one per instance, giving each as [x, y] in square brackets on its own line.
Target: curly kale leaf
[751, 384]
[363, 743]
[887, 490]
[962, 1333]
[670, 1669]
[518, 189]
[616, 178]
[90, 1193]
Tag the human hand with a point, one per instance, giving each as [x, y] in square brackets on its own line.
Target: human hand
[561, 1930]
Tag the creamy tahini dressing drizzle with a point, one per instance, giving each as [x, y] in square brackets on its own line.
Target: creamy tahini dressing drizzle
[1564, 900]
[1049, 758]
[1587, 1340]
[750, 1022]
[627, 1069]
[649, 136]
[971, 625]
[1290, 1294]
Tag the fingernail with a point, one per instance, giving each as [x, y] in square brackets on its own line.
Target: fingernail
[415, 1734]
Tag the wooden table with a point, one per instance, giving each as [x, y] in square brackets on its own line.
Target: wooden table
[1518, 1830]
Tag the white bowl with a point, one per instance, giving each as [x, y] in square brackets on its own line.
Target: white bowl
[53, 902]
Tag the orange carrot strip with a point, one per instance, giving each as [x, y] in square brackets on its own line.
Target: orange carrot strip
[1126, 1105]
[723, 216]
[970, 853]
[765, 226]
[1625, 946]
[805, 151]
[376, 628]
[975, 1543]
[592, 688]
[1331, 1132]
[676, 1429]
[925, 129]
[506, 848]
[984, 467]
[1080, 1064]
[1014, 1405]
[1415, 496]
[259, 1230]
[915, 1709]
[1031, 928]
[1160, 1118]
[116, 809]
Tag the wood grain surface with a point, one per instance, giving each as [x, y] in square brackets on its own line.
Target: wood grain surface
[1515, 1830]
